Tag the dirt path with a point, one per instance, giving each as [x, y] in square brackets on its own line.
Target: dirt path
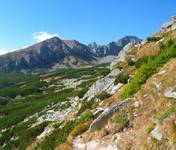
[80, 144]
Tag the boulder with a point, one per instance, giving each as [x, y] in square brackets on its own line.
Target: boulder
[158, 85]
[101, 85]
[171, 93]
[156, 133]
[108, 112]
[116, 88]
[46, 132]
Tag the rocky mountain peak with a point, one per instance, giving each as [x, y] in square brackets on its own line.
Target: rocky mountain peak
[93, 45]
[114, 47]
[128, 39]
[50, 52]
[71, 43]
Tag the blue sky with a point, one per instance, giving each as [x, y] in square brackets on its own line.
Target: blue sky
[24, 22]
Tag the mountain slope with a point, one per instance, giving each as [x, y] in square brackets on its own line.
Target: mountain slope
[43, 55]
[113, 48]
[79, 50]
[58, 53]
[132, 106]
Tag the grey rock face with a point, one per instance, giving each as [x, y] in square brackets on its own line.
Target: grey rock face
[114, 88]
[122, 55]
[157, 134]
[59, 53]
[171, 93]
[102, 84]
[113, 48]
[100, 121]
[46, 54]
[93, 45]
[169, 26]
[158, 85]
[46, 132]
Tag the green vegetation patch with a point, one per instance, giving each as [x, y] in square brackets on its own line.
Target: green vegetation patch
[60, 135]
[14, 84]
[103, 95]
[167, 51]
[24, 135]
[35, 95]
[82, 72]
[121, 78]
[16, 111]
[130, 62]
[122, 120]
[142, 60]
[151, 127]
[153, 39]
[165, 114]
[86, 105]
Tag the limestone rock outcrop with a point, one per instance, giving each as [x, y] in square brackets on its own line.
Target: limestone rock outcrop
[108, 112]
[171, 93]
[102, 84]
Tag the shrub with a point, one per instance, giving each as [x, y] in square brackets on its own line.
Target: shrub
[24, 84]
[82, 92]
[165, 114]
[103, 95]
[130, 62]
[150, 39]
[86, 105]
[122, 78]
[3, 101]
[122, 120]
[142, 61]
[26, 136]
[60, 135]
[151, 127]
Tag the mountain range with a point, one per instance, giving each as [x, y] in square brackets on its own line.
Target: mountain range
[129, 104]
[58, 53]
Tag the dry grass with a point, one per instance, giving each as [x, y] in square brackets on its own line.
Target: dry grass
[64, 146]
[150, 48]
[170, 34]
[77, 131]
[107, 102]
[152, 102]
[169, 128]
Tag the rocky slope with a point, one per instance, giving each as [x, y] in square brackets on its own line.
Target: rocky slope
[46, 54]
[148, 121]
[113, 48]
[132, 106]
[57, 53]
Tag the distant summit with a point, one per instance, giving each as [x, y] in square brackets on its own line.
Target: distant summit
[55, 52]
[93, 45]
[113, 48]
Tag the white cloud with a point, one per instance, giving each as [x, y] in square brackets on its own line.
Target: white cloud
[41, 36]
[2, 52]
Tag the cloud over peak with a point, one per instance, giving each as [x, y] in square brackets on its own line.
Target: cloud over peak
[41, 36]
